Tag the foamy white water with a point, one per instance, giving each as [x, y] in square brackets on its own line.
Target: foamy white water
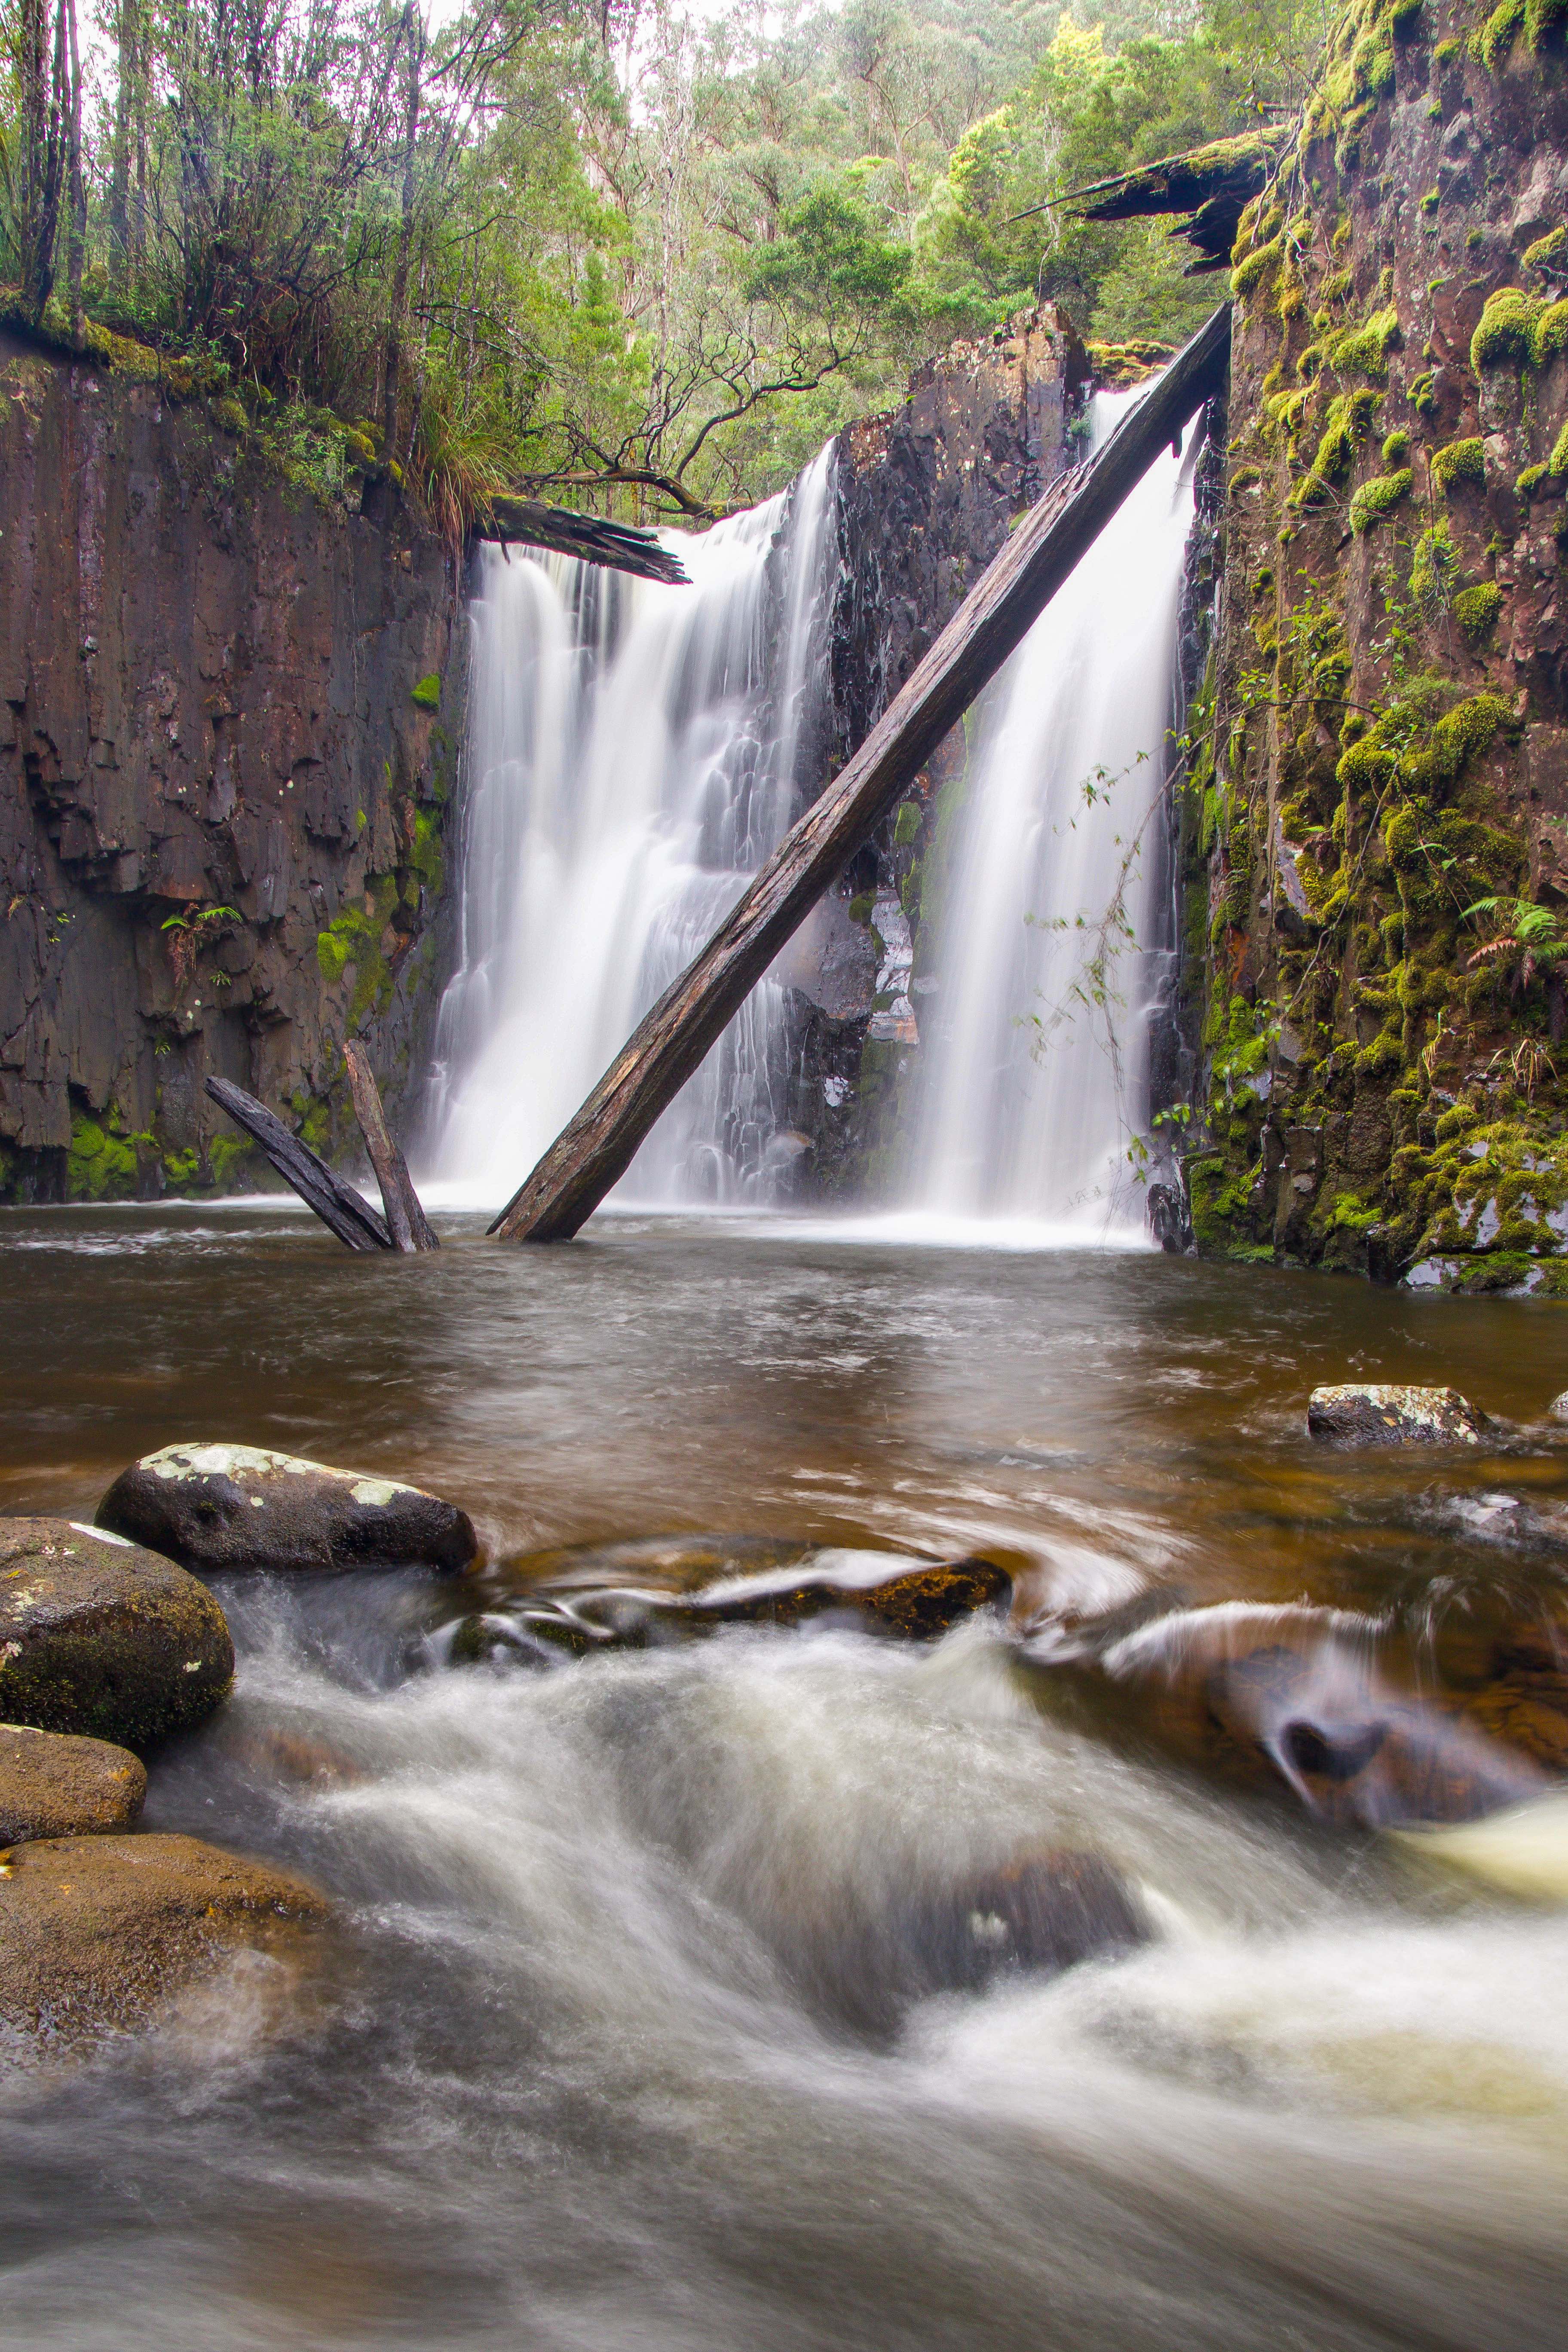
[1038, 1034]
[632, 759]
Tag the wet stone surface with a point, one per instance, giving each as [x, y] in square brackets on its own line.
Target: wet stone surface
[226, 1506]
[101, 1637]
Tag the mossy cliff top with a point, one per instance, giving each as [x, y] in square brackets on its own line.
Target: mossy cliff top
[1375, 821]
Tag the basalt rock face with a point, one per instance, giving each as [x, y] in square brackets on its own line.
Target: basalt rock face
[926, 496]
[227, 712]
[1377, 824]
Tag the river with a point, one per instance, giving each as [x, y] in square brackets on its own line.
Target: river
[581, 2066]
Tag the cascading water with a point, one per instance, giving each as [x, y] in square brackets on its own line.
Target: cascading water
[1038, 1026]
[632, 758]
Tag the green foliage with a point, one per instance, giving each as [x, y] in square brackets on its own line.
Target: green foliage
[99, 1164]
[1433, 567]
[1374, 498]
[427, 693]
[1558, 462]
[1365, 349]
[1549, 336]
[907, 824]
[1459, 463]
[1491, 41]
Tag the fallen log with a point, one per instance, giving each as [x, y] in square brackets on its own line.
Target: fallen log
[597, 1146]
[590, 537]
[1212, 184]
[338, 1205]
[405, 1219]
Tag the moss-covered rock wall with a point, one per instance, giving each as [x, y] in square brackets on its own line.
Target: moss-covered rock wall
[1374, 833]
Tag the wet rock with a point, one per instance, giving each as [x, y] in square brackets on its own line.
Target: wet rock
[1300, 1697]
[230, 1506]
[1382, 1414]
[919, 1602]
[1037, 1915]
[96, 1931]
[100, 1637]
[1558, 1409]
[52, 1786]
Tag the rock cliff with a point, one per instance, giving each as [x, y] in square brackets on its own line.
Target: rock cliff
[228, 710]
[1375, 821]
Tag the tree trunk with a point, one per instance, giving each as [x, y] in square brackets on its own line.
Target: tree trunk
[405, 1220]
[76, 243]
[120, 167]
[414, 35]
[597, 1147]
[343, 1210]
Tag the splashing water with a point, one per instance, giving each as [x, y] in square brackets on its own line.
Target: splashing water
[633, 757]
[1038, 1028]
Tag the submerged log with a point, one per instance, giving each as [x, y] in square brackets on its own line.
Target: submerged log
[590, 537]
[405, 1220]
[597, 1148]
[338, 1205]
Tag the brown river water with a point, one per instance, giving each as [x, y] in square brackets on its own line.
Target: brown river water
[580, 2066]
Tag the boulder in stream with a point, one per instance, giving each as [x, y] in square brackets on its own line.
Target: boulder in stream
[919, 1600]
[53, 1785]
[1039, 1914]
[236, 1506]
[1301, 1695]
[96, 1931]
[101, 1638]
[1382, 1413]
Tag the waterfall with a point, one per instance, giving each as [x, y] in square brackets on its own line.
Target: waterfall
[1037, 1027]
[632, 758]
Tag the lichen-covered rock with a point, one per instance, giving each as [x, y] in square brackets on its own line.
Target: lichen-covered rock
[52, 1786]
[231, 1506]
[99, 1636]
[1378, 1413]
[96, 1931]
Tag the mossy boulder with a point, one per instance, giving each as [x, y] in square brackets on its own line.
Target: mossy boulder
[96, 1932]
[51, 1786]
[101, 1638]
[237, 1506]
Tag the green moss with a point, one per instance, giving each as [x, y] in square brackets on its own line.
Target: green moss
[1508, 323]
[1530, 481]
[1364, 348]
[1477, 609]
[1549, 253]
[1396, 448]
[1424, 394]
[1491, 41]
[862, 907]
[1447, 52]
[227, 1155]
[424, 851]
[1558, 461]
[1549, 336]
[1540, 16]
[1374, 498]
[99, 1166]
[1459, 462]
[1261, 263]
[1432, 567]
[907, 824]
[1344, 426]
[1431, 200]
[427, 693]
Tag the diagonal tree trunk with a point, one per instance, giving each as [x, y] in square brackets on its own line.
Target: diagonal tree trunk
[597, 1148]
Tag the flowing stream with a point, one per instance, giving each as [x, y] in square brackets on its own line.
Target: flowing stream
[585, 2061]
[632, 758]
[1047, 949]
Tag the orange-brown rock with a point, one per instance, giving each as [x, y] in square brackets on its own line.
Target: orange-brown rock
[95, 1932]
[52, 1786]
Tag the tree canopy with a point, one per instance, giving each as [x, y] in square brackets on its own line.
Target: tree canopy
[625, 253]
